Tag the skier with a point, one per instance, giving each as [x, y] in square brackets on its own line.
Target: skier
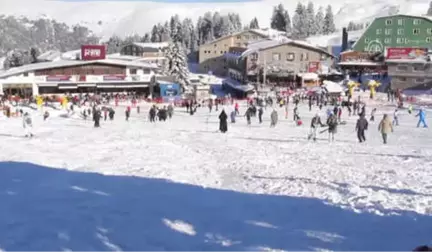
[361, 126]
[260, 114]
[395, 117]
[273, 118]
[316, 120]
[372, 118]
[223, 125]
[332, 126]
[27, 125]
[422, 116]
[385, 127]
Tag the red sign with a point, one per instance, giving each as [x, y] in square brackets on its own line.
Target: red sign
[406, 53]
[82, 78]
[117, 77]
[58, 78]
[93, 52]
[313, 67]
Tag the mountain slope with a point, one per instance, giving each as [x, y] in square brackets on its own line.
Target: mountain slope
[106, 18]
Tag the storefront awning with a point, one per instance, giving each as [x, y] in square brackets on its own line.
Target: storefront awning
[67, 86]
[122, 86]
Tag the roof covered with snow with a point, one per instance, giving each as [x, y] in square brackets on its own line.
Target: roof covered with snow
[69, 63]
[266, 32]
[155, 45]
[50, 55]
[268, 43]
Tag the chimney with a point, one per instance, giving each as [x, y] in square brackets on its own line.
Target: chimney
[344, 40]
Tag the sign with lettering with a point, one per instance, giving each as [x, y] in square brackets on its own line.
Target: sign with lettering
[93, 52]
[115, 77]
[58, 78]
[313, 67]
[406, 53]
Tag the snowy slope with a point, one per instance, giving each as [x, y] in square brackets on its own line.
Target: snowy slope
[181, 185]
[124, 18]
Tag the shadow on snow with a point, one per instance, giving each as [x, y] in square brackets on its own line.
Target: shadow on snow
[53, 209]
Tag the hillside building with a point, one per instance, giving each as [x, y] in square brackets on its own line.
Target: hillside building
[396, 31]
[153, 53]
[278, 62]
[211, 55]
[94, 73]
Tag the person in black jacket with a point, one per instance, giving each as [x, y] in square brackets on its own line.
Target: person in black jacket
[361, 127]
[223, 124]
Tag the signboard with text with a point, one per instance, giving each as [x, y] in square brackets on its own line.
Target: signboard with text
[58, 78]
[116, 77]
[93, 52]
[406, 53]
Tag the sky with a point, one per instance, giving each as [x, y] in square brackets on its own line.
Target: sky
[168, 1]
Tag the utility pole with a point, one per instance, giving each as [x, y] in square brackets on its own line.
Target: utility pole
[265, 70]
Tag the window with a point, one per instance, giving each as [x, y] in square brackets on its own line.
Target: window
[306, 57]
[290, 56]
[429, 31]
[323, 57]
[428, 39]
[245, 44]
[238, 44]
[388, 31]
[416, 21]
[407, 41]
[378, 31]
[402, 68]
[276, 56]
[387, 40]
[388, 22]
[420, 80]
[400, 31]
[133, 71]
[238, 37]
[416, 31]
[254, 37]
[246, 36]
[401, 22]
[367, 40]
[222, 52]
[26, 74]
[400, 40]
[215, 45]
[402, 78]
[418, 67]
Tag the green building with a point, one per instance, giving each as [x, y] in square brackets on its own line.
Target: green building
[396, 31]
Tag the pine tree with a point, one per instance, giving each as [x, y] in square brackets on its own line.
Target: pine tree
[278, 19]
[287, 19]
[173, 24]
[299, 22]
[227, 27]
[34, 52]
[177, 64]
[311, 26]
[351, 26]
[155, 37]
[145, 38]
[165, 32]
[217, 23]
[319, 21]
[429, 12]
[329, 25]
[254, 24]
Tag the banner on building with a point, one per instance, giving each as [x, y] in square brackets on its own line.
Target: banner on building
[93, 52]
[313, 67]
[116, 77]
[58, 78]
[406, 53]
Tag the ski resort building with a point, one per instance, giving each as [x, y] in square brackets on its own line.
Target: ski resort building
[93, 73]
[396, 31]
[211, 54]
[153, 53]
[271, 61]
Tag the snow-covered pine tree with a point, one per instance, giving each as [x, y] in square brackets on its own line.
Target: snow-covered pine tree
[311, 27]
[146, 38]
[227, 27]
[155, 34]
[165, 32]
[174, 21]
[299, 22]
[288, 27]
[351, 26]
[199, 30]
[177, 64]
[254, 24]
[319, 21]
[217, 23]
[34, 52]
[429, 12]
[236, 22]
[329, 25]
[278, 19]
[208, 29]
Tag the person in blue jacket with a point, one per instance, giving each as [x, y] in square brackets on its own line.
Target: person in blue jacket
[422, 118]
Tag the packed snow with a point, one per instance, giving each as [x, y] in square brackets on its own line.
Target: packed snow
[182, 185]
[124, 18]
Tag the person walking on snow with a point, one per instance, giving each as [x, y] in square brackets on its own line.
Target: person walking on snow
[332, 126]
[422, 118]
[96, 118]
[372, 118]
[273, 118]
[223, 124]
[233, 116]
[260, 114]
[316, 120]
[361, 127]
[385, 127]
[395, 117]
[27, 125]
[127, 113]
